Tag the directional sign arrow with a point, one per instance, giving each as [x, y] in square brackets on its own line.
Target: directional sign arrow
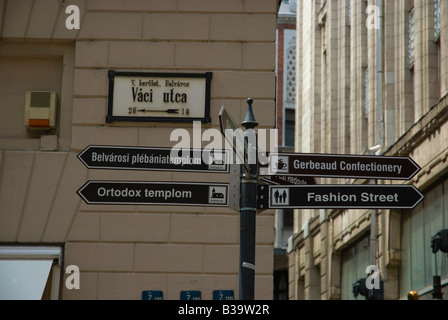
[141, 158]
[338, 165]
[339, 197]
[153, 110]
[155, 193]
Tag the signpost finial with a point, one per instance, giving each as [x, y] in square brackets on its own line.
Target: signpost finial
[249, 121]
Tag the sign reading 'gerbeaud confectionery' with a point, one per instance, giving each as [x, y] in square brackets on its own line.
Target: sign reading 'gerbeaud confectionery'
[172, 97]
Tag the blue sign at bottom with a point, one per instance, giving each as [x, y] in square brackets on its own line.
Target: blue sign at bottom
[223, 295]
[152, 295]
[190, 295]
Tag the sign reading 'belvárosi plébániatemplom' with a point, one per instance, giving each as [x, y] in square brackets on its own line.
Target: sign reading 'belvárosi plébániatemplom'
[145, 158]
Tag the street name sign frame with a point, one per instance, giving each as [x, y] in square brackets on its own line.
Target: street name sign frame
[159, 159]
[159, 97]
[155, 193]
[341, 166]
[339, 197]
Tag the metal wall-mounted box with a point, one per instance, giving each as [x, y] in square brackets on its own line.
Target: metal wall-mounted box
[40, 109]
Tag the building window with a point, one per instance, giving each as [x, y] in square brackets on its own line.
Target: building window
[281, 285]
[288, 218]
[366, 93]
[289, 127]
[29, 272]
[437, 41]
[411, 45]
[349, 12]
[418, 263]
[355, 260]
[436, 20]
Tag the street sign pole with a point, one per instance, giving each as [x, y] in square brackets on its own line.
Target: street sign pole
[248, 208]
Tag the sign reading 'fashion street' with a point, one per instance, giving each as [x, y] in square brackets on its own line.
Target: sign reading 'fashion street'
[340, 197]
[140, 158]
[155, 193]
[347, 166]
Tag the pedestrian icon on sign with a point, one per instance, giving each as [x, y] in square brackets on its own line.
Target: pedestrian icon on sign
[280, 196]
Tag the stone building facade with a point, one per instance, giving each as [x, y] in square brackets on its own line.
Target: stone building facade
[372, 77]
[123, 250]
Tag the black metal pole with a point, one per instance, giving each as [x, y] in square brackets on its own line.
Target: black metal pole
[437, 288]
[248, 208]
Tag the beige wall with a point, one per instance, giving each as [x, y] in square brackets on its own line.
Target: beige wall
[122, 250]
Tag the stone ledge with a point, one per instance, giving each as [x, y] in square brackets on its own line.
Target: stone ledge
[421, 130]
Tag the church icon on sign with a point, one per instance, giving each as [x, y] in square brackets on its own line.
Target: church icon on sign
[280, 196]
[217, 161]
[217, 194]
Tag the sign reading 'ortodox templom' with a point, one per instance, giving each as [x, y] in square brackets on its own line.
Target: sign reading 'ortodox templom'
[156, 193]
[173, 97]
